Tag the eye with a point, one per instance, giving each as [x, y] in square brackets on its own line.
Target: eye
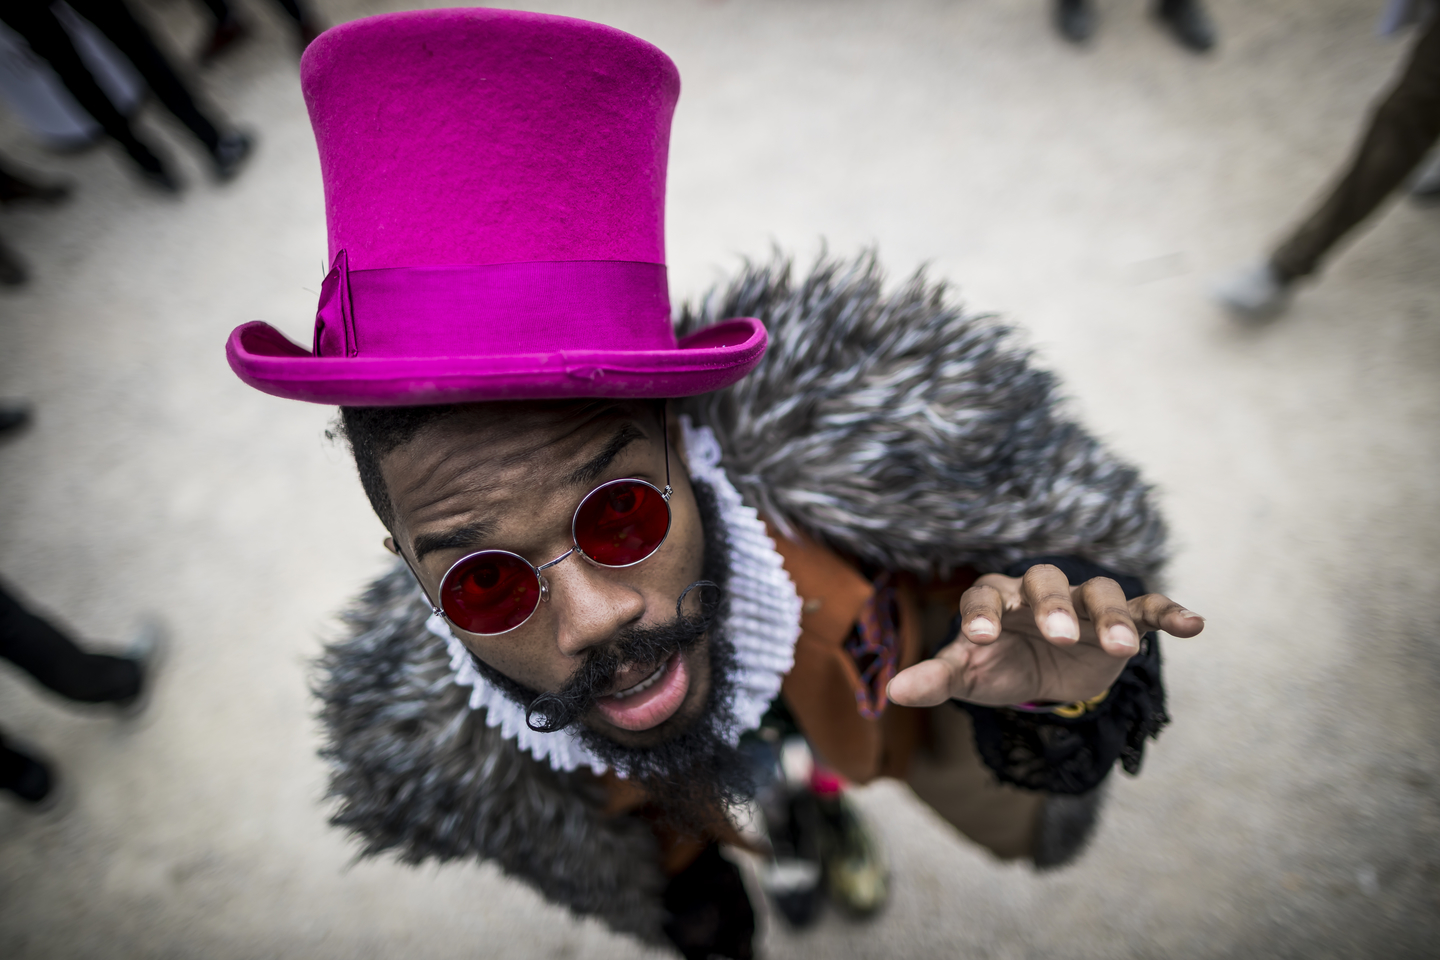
[484, 576]
[624, 501]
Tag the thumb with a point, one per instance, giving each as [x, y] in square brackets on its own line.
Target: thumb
[926, 684]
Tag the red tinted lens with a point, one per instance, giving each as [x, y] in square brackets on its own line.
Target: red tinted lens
[621, 523]
[490, 592]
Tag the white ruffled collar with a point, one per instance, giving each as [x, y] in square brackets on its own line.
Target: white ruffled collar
[763, 624]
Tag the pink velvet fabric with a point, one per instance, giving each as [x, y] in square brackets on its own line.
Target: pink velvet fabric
[430, 311]
[490, 136]
[494, 193]
[708, 360]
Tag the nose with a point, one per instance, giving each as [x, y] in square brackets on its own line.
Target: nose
[590, 605]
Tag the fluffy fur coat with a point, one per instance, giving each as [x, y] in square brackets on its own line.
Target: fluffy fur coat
[895, 428]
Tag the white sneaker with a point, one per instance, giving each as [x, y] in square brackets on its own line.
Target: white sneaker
[1253, 293]
[148, 647]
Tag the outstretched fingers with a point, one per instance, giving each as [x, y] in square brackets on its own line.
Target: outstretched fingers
[1105, 604]
[927, 684]
[1047, 591]
[981, 608]
[1155, 611]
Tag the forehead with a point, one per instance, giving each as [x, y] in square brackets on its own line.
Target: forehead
[508, 443]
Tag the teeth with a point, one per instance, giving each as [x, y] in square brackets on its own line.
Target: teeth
[647, 682]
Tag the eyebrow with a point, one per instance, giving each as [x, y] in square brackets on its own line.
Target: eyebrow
[477, 533]
[592, 469]
[470, 535]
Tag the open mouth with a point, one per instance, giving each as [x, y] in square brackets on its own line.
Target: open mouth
[645, 684]
[651, 700]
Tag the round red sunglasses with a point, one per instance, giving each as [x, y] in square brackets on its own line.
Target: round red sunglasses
[618, 524]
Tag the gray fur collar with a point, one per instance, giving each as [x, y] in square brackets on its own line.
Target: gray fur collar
[896, 428]
[417, 772]
[903, 430]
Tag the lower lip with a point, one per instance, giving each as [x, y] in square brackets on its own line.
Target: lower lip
[653, 705]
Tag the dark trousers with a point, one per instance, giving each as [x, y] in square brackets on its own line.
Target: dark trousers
[34, 21]
[52, 658]
[1402, 130]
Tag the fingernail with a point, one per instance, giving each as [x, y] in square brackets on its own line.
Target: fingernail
[1061, 624]
[1122, 637]
[1191, 615]
[981, 626]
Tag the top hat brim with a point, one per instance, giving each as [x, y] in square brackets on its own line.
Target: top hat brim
[707, 360]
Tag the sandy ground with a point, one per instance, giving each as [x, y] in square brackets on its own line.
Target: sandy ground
[1290, 810]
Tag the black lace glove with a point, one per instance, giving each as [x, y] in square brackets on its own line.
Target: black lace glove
[1057, 754]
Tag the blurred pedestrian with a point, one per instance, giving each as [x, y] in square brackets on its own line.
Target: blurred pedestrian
[230, 29]
[40, 101]
[1186, 20]
[36, 21]
[1402, 130]
[58, 663]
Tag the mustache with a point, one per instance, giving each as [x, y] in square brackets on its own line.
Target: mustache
[552, 712]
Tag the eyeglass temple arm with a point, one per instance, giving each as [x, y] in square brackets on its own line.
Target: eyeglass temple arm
[419, 583]
[665, 431]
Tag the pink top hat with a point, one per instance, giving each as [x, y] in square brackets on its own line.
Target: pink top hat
[495, 194]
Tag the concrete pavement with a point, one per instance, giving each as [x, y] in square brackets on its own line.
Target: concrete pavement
[1291, 808]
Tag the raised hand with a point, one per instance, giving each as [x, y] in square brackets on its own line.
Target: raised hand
[1036, 638]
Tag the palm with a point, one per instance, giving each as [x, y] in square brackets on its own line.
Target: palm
[1022, 665]
[1038, 638]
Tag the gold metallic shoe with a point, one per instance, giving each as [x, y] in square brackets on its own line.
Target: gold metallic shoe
[856, 877]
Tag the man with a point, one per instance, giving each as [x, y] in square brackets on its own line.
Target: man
[634, 570]
[1403, 128]
[54, 660]
[38, 23]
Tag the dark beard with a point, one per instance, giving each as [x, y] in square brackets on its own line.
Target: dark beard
[692, 776]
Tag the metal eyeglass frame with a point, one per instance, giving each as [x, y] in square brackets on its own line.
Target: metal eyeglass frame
[665, 495]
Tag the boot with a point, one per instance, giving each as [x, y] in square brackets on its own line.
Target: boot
[1075, 19]
[230, 154]
[1188, 22]
[855, 875]
[25, 776]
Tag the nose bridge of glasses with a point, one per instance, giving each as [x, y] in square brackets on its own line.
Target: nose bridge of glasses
[560, 559]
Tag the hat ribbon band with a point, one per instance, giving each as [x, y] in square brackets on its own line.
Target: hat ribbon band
[493, 309]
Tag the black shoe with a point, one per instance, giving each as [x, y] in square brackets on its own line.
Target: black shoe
[162, 180]
[231, 153]
[12, 268]
[25, 776]
[153, 170]
[1188, 23]
[16, 189]
[793, 879]
[14, 417]
[1075, 19]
